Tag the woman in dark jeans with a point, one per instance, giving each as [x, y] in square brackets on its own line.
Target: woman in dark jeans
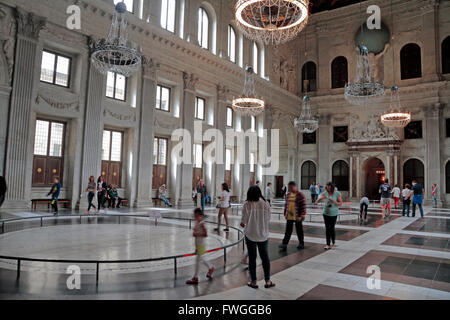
[330, 212]
[255, 220]
[91, 188]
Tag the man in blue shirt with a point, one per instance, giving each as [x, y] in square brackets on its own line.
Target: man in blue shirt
[313, 191]
[54, 192]
[385, 190]
[417, 197]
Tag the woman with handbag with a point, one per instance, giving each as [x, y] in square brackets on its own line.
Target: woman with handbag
[224, 206]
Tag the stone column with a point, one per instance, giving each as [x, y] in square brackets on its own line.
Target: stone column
[93, 128]
[324, 138]
[354, 174]
[221, 116]
[20, 141]
[187, 118]
[191, 21]
[245, 167]
[389, 166]
[430, 49]
[5, 93]
[267, 125]
[145, 150]
[433, 172]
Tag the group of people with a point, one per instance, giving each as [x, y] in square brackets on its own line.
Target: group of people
[104, 193]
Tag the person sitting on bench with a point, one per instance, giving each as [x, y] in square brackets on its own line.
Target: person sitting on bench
[114, 199]
[163, 195]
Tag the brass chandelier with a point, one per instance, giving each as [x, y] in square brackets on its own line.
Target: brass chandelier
[248, 104]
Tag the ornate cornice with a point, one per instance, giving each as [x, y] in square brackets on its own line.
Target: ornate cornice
[29, 25]
[150, 68]
[190, 81]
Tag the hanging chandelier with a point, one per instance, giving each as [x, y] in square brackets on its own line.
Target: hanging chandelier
[364, 90]
[248, 104]
[271, 21]
[306, 123]
[113, 53]
[395, 118]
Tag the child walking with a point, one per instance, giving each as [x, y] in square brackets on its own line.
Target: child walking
[200, 234]
[54, 192]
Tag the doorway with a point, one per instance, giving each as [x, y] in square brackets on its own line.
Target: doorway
[279, 182]
[374, 174]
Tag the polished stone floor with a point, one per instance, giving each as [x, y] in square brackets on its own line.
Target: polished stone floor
[413, 255]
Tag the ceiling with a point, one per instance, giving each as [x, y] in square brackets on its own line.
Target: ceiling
[323, 5]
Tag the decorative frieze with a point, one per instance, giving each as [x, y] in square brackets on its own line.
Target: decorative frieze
[69, 106]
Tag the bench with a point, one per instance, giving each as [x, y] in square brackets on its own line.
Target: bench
[125, 202]
[65, 202]
[158, 201]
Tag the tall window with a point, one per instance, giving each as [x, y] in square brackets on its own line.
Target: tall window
[309, 138]
[413, 130]
[231, 44]
[309, 77]
[228, 157]
[447, 128]
[112, 157]
[55, 69]
[230, 117]
[339, 72]
[128, 3]
[447, 177]
[203, 28]
[198, 156]
[116, 86]
[446, 56]
[48, 152]
[308, 174]
[411, 61]
[340, 134]
[163, 98]
[200, 108]
[340, 174]
[413, 170]
[255, 58]
[252, 162]
[159, 162]
[253, 123]
[168, 10]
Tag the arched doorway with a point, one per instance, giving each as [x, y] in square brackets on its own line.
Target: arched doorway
[374, 173]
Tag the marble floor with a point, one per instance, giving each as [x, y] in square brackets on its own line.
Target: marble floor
[413, 256]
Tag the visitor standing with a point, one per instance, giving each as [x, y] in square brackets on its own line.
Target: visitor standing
[200, 234]
[295, 213]
[434, 193]
[101, 193]
[201, 190]
[283, 191]
[255, 221]
[224, 206]
[418, 192]
[406, 199]
[330, 212]
[385, 190]
[313, 191]
[396, 195]
[3, 189]
[91, 188]
[55, 192]
[269, 193]
[162, 192]
[363, 208]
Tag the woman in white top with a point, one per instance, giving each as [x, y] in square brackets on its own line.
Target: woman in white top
[255, 221]
[396, 194]
[224, 205]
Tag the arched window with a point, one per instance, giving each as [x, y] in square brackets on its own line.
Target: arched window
[309, 77]
[339, 72]
[203, 28]
[447, 177]
[255, 58]
[411, 61]
[231, 44]
[308, 174]
[168, 10]
[446, 56]
[341, 175]
[413, 170]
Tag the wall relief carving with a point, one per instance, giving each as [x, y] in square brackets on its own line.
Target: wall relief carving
[131, 116]
[71, 106]
[371, 129]
[8, 39]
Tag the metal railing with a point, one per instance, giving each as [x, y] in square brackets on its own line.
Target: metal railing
[97, 263]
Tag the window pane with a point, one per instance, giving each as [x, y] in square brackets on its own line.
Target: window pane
[164, 6]
[252, 162]
[41, 138]
[116, 146]
[203, 28]
[255, 57]
[62, 71]
[198, 156]
[231, 44]
[158, 97]
[253, 124]
[171, 15]
[47, 66]
[200, 109]
[120, 87]
[155, 151]
[162, 157]
[110, 85]
[106, 145]
[165, 92]
[229, 117]
[56, 140]
[227, 159]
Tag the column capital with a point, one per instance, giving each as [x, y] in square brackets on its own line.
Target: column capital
[222, 93]
[324, 119]
[150, 68]
[433, 111]
[190, 81]
[29, 25]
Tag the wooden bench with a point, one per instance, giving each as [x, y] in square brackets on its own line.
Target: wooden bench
[125, 202]
[65, 202]
[158, 201]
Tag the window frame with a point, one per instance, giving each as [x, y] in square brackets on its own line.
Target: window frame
[256, 56]
[167, 17]
[156, 157]
[407, 75]
[69, 74]
[196, 108]
[230, 109]
[336, 178]
[201, 24]
[415, 164]
[231, 31]
[160, 88]
[194, 156]
[335, 84]
[307, 180]
[335, 140]
[421, 130]
[125, 96]
[447, 127]
[109, 161]
[311, 135]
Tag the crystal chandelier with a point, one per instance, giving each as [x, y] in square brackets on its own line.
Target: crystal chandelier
[306, 123]
[364, 90]
[271, 21]
[395, 118]
[114, 54]
[248, 104]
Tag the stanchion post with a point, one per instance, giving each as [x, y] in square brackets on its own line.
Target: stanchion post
[18, 268]
[175, 265]
[225, 255]
[96, 273]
